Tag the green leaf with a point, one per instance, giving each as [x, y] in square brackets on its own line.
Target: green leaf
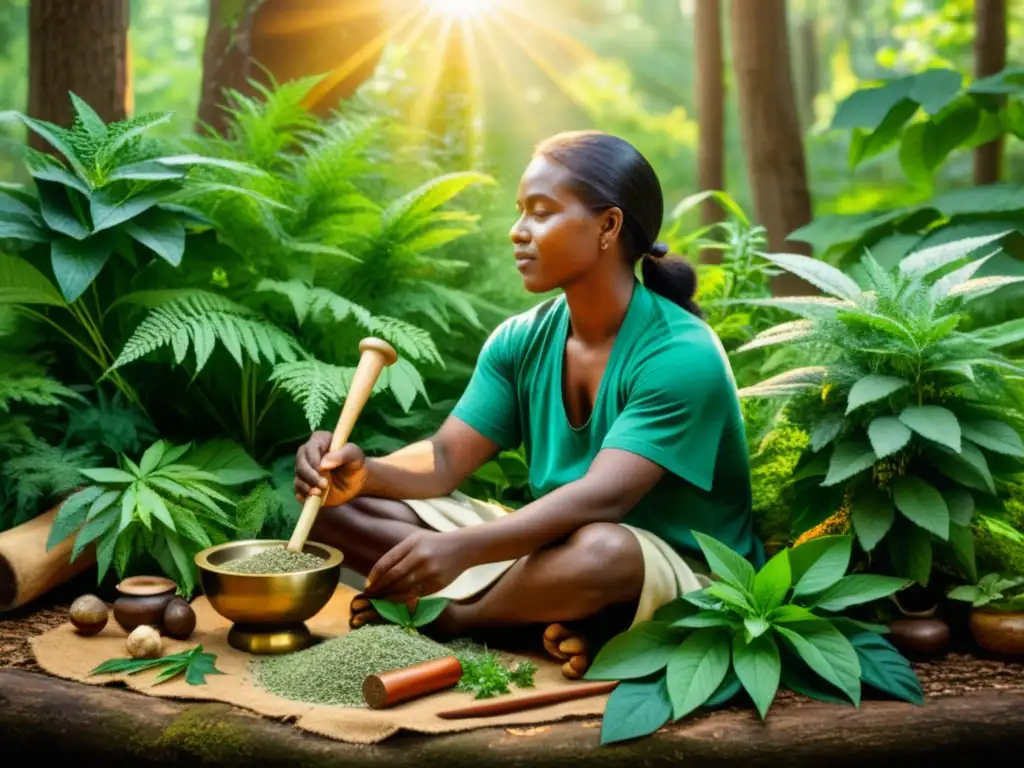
[696, 668]
[57, 212]
[181, 560]
[161, 232]
[1000, 335]
[786, 614]
[21, 229]
[817, 273]
[726, 691]
[865, 145]
[884, 668]
[872, 388]
[76, 263]
[147, 170]
[88, 118]
[428, 609]
[636, 709]
[772, 582]
[857, 590]
[637, 652]
[105, 552]
[705, 618]
[674, 611]
[910, 551]
[927, 260]
[731, 596]
[825, 431]
[102, 502]
[996, 436]
[961, 541]
[888, 435]
[826, 651]
[151, 500]
[227, 460]
[107, 475]
[758, 668]
[969, 467]
[71, 516]
[701, 598]
[108, 209]
[921, 504]
[872, 515]
[129, 502]
[754, 626]
[189, 160]
[849, 458]
[151, 458]
[799, 678]
[960, 504]
[21, 283]
[934, 89]
[396, 613]
[55, 136]
[92, 530]
[725, 563]
[819, 563]
[934, 423]
[188, 525]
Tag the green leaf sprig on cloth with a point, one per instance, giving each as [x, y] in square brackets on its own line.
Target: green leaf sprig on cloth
[754, 632]
[194, 663]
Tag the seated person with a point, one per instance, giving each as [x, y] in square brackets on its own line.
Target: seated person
[624, 400]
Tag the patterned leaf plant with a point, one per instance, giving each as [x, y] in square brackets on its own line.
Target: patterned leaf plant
[911, 416]
[754, 632]
[171, 504]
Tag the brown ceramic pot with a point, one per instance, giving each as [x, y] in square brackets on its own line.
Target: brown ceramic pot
[142, 601]
[1000, 632]
[920, 637]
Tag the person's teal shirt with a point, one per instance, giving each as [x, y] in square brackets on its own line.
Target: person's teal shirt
[667, 394]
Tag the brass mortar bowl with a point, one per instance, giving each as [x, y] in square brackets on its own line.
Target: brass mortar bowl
[268, 611]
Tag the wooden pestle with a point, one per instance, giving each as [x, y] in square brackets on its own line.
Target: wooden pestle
[529, 701]
[398, 685]
[375, 356]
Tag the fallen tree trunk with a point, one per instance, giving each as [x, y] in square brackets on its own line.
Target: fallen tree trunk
[44, 717]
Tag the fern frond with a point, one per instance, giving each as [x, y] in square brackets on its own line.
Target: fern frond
[45, 472]
[33, 390]
[309, 301]
[314, 385]
[200, 319]
[416, 209]
[410, 340]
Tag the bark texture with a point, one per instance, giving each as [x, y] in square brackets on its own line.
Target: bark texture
[79, 46]
[772, 139]
[47, 718]
[989, 59]
[710, 107]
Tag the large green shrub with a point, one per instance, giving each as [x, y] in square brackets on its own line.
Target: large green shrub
[913, 423]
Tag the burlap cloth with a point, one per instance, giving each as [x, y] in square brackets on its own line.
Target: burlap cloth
[64, 653]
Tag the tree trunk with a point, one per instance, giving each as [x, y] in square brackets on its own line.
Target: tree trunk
[772, 139]
[989, 58]
[710, 107]
[78, 46]
[284, 40]
[809, 85]
[227, 58]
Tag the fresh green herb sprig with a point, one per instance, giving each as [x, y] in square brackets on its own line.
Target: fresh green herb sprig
[484, 675]
[194, 663]
[990, 592]
[427, 609]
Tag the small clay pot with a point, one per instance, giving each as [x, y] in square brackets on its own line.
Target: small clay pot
[1000, 632]
[919, 637]
[142, 601]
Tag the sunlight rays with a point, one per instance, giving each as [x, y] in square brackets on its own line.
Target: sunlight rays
[449, 44]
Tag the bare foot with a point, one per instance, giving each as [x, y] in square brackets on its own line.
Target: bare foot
[566, 645]
[361, 612]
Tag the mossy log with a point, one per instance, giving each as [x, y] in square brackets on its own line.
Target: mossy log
[43, 717]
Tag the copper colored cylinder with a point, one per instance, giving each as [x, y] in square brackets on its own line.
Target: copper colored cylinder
[398, 685]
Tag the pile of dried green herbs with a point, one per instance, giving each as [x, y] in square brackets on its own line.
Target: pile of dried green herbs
[275, 560]
[333, 672]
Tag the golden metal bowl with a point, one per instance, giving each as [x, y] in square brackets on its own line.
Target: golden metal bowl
[268, 611]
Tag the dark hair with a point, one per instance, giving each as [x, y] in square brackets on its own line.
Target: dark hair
[609, 172]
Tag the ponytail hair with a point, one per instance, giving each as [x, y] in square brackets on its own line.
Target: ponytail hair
[609, 172]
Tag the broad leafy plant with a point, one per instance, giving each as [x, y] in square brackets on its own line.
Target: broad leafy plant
[169, 505]
[912, 421]
[107, 193]
[427, 609]
[754, 632]
[990, 593]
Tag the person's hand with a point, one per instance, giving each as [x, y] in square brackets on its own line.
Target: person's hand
[423, 563]
[314, 461]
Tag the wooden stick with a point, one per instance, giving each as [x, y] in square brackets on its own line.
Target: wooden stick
[376, 355]
[398, 685]
[533, 701]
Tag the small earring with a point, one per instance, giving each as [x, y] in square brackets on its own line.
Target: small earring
[604, 245]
